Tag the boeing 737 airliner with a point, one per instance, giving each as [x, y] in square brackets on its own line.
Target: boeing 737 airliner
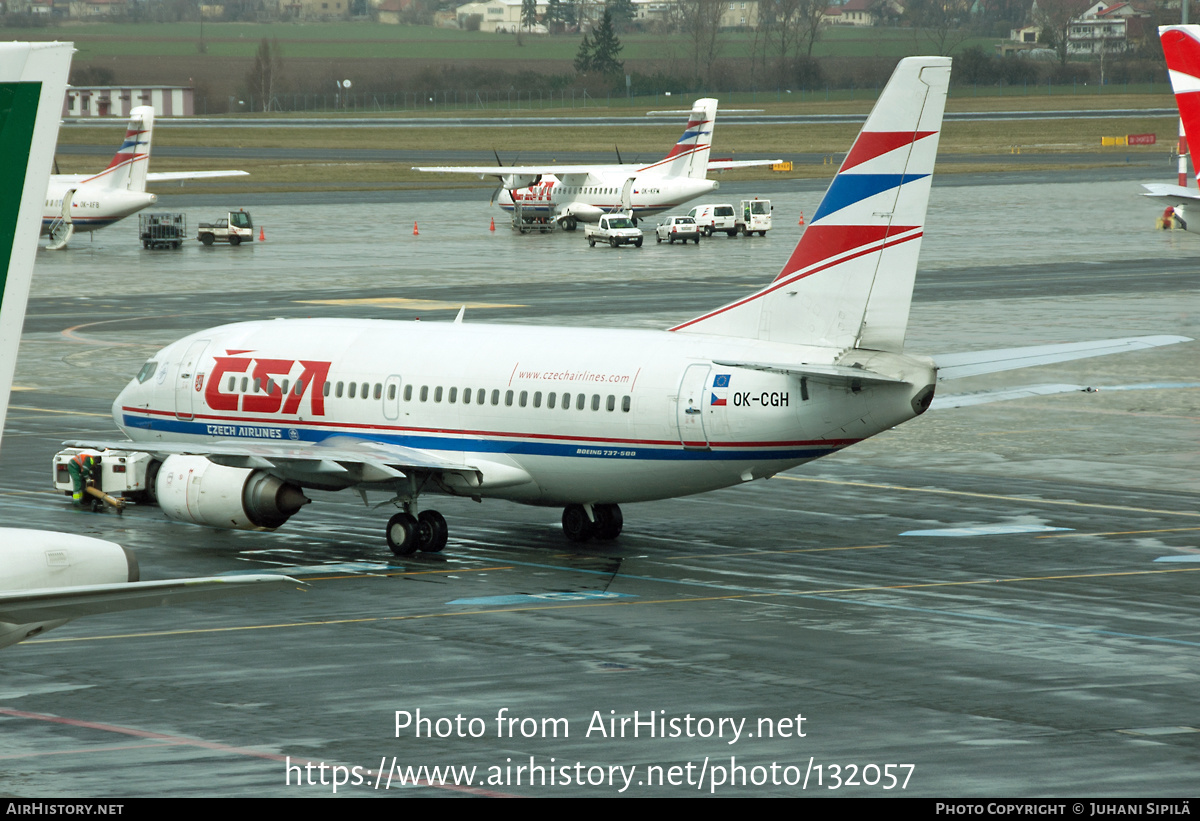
[245, 417]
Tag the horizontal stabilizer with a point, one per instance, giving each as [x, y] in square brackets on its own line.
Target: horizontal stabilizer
[22, 607]
[963, 400]
[832, 374]
[726, 165]
[1171, 192]
[177, 176]
[958, 365]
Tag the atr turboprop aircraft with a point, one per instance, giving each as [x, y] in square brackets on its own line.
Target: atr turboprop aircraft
[1181, 47]
[570, 194]
[245, 417]
[48, 578]
[87, 202]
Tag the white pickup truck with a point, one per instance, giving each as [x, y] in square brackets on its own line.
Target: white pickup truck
[615, 229]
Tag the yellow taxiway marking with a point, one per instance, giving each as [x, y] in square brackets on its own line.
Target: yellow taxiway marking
[1024, 499]
[414, 304]
[770, 552]
[578, 605]
[405, 573]
[51, 410]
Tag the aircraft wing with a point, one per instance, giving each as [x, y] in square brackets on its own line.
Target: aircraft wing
[502, 171]
[725, 165]
[338, 461]
[958, 365]
[26, 606]
[175, 176]
[833, 374]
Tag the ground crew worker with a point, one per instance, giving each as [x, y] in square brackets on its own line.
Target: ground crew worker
[83, 468]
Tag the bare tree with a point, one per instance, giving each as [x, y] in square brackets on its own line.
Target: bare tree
[1055, 16]
[943, 24]
[701, 21]
[790, 27]
[268, 66]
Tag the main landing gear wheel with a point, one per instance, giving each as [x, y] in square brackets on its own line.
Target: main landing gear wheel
[431, 531]
[576, 525]
[609, 521]
[402, 534]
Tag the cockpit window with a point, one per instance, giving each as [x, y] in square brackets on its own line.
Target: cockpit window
[146, 372]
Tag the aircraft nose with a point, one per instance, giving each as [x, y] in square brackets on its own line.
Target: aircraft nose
[119, 403]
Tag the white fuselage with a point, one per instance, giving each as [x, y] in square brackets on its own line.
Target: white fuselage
[587, 196]
[587, 415]
[94, 204]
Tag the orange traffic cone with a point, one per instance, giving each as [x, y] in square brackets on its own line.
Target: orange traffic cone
[801, 218]
[415, 231]
[262, 237]
[492, 227]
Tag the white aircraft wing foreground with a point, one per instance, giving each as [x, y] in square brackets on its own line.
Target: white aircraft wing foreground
[51, 603]
[48, 578]
[247, 416]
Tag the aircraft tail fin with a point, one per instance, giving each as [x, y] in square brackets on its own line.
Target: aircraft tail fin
[33, 82]
[689, 156]
[849, 281]
[129, 165]
[1181, 47]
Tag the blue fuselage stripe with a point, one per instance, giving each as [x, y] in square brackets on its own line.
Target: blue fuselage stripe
[582, 448]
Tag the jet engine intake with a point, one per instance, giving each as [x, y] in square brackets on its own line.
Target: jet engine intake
[193, 489]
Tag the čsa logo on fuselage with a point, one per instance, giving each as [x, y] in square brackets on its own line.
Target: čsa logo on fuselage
[267, 375]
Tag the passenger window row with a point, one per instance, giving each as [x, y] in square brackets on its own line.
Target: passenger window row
[468, 396]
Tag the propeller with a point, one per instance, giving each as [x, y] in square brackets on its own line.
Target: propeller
[499, 187]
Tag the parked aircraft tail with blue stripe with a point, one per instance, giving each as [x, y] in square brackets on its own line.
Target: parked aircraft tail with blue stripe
[849, 281]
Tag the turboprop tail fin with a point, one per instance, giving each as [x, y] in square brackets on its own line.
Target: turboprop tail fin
[689, 156]
[848, 283]
[127, 171]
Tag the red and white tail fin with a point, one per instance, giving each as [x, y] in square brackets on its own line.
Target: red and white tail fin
[689, 156]
[849, 282]
[127, 171]
[1181, 47]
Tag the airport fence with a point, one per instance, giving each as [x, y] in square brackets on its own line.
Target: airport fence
[517, 100]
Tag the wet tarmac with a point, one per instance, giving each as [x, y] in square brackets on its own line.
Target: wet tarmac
[990, 601]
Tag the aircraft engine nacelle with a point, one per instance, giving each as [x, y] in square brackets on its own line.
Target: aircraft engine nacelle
[37, 560]
[193, 489]
[582, 212]
[513, 182]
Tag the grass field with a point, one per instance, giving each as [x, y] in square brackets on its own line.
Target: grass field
[378, 41]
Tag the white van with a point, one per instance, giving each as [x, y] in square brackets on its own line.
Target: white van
[715, 218]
